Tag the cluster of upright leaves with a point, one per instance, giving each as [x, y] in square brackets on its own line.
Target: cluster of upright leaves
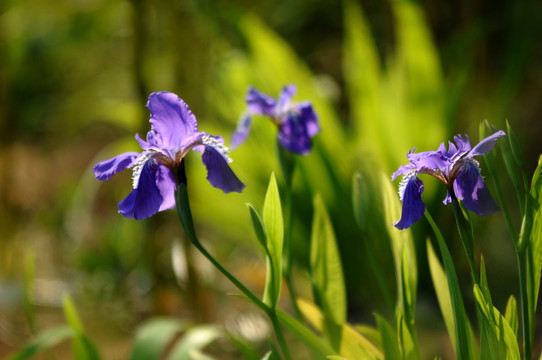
[499, 335]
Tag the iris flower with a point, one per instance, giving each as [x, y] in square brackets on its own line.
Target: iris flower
[297, 123]
[456, 168]
[174, 132]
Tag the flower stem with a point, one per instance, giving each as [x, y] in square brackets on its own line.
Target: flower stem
[185, 217]
[465, 233]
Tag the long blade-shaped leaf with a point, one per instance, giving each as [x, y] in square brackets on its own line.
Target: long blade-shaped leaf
[274, 230]
[326, 268]
[463, 348]
[353, 345]
[536, 232]
[498, 340]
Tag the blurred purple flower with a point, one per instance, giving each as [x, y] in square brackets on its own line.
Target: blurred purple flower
[456, 168]
[297, 123]
[174, 132]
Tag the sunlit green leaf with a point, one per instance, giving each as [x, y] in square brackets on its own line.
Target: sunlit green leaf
[390, 343]
[463, 345]
[305, 335]
[498, 340]
[258, 226]
[440, 282]
[153, 337]
[511, 314]
[194, 340]
[326, 268]
[83, 348]
[536, 232]
[274, 230]
[353, 345]
[402, 244]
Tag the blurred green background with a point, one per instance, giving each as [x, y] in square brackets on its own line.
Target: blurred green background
[384, 77]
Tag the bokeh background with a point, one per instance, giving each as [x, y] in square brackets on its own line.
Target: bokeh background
[384, 77]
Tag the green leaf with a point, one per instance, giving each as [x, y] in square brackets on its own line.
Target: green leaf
[193, 341]
[83, 348]
[44, 341]
[183, 205]
[440, 282]
[304, 334]
[154, 336]
[536, 232]
[274, 230]
[390, 342]
[353, 345]
[258, 227]
[408, 344]
[326, 268]
[71, 315]
[498, 340]
[511, 314]
[402, 244]
[463, 345]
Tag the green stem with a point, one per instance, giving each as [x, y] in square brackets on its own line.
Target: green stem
[185, 217]
[465, 233]
[288, 165]
[525, 304]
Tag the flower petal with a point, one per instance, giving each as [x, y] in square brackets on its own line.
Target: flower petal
[241, 133]
[219, 173]
[486, 145]
[259, 103]
[285, 97]
[145, 200]
[106, 169]
[171, 119]
[410, 191]
[469, 187]
[293, 133]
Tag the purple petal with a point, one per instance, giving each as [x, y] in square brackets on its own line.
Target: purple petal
[166, 184]
[106, 169]
[486, 145]
[171, 119]
[309, 118]
[469, 187]
[410, 191]
[284, 98]
[259, 103]
[241, 133]
[293, 133]
[403, 170]
[146, 200]
[463, 146]
[219, 173]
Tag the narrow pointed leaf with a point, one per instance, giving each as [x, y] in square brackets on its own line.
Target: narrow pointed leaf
[274, 230]
[498, 340]
[326, 268]
[258, 226]
[536, 232]
[353, 345]
[463, 344]
[511, 314]
[304, 334]
[390, 342]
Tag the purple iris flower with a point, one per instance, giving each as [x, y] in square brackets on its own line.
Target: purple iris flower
[456, 168]
[297, 123]
[174, 132]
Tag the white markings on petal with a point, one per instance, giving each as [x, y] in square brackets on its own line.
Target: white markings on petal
[138, 167]
[217, 144]
[404, 182]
